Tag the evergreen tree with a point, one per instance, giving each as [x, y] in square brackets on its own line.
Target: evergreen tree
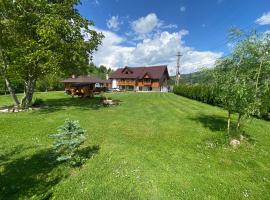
[67, 141]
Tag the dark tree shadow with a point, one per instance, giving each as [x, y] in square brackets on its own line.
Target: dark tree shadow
[4, 157]
[52, 105]
[218, 124]
[89, 151]
[34, 175]
[28, 176]
[212, 122]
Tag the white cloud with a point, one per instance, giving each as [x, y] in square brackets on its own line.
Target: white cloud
[160, 48]
[113, 23]
[169, 26]
[195, 60]
[145, 24]
[183, 8]
[264, 19]
[111, 53]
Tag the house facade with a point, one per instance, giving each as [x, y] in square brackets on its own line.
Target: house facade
[152, 78]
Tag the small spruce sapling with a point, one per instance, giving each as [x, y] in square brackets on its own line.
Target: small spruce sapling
[67, 141]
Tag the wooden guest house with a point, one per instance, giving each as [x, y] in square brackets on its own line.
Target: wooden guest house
[84, 86]
[152, 78]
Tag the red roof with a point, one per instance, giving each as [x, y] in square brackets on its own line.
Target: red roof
[84, 79]
[154, 72]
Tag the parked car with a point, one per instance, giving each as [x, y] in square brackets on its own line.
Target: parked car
[115, 90]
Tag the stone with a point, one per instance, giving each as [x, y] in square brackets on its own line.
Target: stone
[234, 143]
[4, 110]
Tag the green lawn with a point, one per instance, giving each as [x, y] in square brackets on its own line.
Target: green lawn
[152, 146]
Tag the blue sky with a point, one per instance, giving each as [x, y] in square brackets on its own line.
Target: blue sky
[150, 32]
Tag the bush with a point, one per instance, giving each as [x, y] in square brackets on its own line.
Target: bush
[67, 142]
[200, 92]
[206, 93]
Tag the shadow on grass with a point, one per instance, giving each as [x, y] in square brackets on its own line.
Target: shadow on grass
[89, 151]
[28, 176]
[35, 175]
[52, 105]
[212, 122]
[218, 124]
[4, 157]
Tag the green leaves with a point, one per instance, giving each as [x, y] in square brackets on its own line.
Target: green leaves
[242, 79]
[199, 92]
[40, 38]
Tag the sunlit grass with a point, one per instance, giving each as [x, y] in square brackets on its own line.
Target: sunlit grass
[152, 146]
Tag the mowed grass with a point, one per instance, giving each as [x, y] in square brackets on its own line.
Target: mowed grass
[151, 146]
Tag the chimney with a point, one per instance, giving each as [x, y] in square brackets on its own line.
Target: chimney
[107, 76]
[73, 76]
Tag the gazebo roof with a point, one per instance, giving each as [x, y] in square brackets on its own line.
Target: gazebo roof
[84, 80]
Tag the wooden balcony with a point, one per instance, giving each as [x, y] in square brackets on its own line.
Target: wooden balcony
[126, 82]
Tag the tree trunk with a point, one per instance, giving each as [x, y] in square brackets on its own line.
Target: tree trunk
[5, 89]
[3, 71]
[229, 122]
[12, 92]
[258, 77]
[238, 121]
[29, 87]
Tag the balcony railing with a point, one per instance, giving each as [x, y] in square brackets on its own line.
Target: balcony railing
[133, 83]
[126, 82]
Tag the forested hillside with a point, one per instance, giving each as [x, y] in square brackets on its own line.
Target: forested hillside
[192, 78]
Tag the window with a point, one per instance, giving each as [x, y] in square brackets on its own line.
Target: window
[147, 80]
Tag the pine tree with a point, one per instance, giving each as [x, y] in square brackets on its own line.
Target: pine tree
[67, 141]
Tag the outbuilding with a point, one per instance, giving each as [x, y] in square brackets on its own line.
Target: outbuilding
[84, 86]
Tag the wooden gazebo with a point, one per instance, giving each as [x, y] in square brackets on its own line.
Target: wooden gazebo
[84, 86]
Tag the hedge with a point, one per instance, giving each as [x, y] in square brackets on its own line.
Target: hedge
[205, 93]
[199, 92]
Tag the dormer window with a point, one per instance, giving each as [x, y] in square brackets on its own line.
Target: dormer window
[126, 70]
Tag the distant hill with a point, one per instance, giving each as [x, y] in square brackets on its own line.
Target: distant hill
[192, 78]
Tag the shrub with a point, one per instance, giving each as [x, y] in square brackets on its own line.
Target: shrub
[206, 93]
[200, 92]
[67, 142]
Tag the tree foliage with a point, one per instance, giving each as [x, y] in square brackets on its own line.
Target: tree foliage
[41, 37]
[242, 79]
[100, 71]
[199, 92]
[240, 82]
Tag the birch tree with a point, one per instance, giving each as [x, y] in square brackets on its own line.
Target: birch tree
[7, 45]
[242, 79]
[49, 38]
